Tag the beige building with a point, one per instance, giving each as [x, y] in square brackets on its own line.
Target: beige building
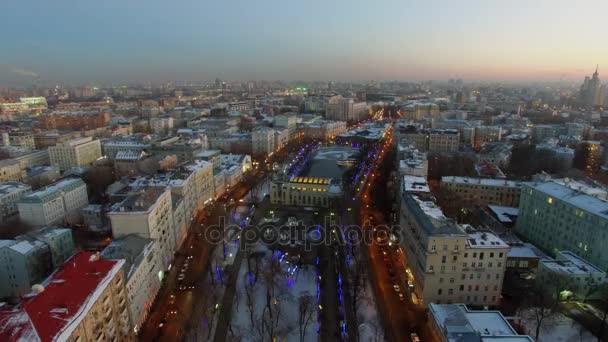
[147, 213]
[10, 171]
[446, 262]
[345, 109]
[482, 191]
[433, 140]
[85, 300]
[75, 152]
[304, 191]
[142, 271]
[324, 130]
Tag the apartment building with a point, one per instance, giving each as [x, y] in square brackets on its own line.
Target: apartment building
[574, 276]
[85, 300]
[59, 202]
[10, 194]
[147, 213]
[324, 130]
[75, 152]
[142, 271]
[456, 322]
[29, 259]
[263, 142]
[10, 171]
[564, 215]
[482, 191]
[446, 262]
[345, 109]
[203, 181]
[433, 140]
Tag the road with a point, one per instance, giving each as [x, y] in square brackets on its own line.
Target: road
[192, 293]
[400, 317]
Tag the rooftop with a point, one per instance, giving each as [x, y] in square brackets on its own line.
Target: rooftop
[570, 263]
[415, 184]
[140, 201]
[482, 181]
[53, 190]
[131, 248]
[485, 240]
[56, 312]
[577, 198]
[9, 187]
[460, 324]
[429, 215]
[504, 214]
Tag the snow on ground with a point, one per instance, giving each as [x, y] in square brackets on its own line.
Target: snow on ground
[368, 319]
[557, 328]
[253, 298]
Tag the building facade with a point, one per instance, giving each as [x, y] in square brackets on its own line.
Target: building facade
[75, 152]
[482, 191]
[10, 194]
[59, 202]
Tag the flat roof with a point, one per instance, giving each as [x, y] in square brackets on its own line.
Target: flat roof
[461, 324]
[504, 214]
[570, 263]
[415, 184]
[576, 198]
[485, 240]
[482, 181]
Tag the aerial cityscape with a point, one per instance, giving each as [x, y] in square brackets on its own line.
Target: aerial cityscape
[276, 171]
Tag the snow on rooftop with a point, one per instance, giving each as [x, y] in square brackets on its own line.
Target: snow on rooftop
[576, 197]
[485, 240]
[481, 181]
[504, 214]
[56, 312]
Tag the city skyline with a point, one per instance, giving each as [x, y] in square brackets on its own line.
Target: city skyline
[114, 42]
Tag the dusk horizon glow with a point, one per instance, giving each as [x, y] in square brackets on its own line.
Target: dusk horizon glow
[135, 41]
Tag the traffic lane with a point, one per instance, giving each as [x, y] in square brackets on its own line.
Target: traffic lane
[395, 310]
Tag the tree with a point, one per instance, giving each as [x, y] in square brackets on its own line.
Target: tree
[542, 301]
[306, 311]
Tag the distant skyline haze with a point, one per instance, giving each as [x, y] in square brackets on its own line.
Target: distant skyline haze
[126, 41]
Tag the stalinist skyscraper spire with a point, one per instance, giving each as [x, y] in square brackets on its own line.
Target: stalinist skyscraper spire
[591, 90]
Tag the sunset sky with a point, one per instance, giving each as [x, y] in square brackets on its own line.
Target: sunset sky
[86, 41]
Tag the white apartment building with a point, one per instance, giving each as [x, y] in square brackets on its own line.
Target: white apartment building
[10, 194]
[142, 270]
[262, 142]
[286, 121]
[75, 152]
[58, 202]
[148, 214]
[281, 138]
[444, 262]
[203, 181]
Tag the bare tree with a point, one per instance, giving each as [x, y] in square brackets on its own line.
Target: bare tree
[306, 311]
[542, 301]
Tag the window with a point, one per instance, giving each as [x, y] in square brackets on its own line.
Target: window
[455, 258]
[433, 248]
[491, 254]
[450, 291]
[466, 255]
[481, 256]
[461, 287]
[451, 280]
[463, 276]
[474, 255]
[476, 287]
[431, 268]
[440, 280]
[490, 264]
[443, 258]
[464, 264]
[499, 264]
[500, 255]
[439, 292]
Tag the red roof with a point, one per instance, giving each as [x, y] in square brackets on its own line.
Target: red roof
[64, 301]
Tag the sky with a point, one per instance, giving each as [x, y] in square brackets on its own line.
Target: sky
[128, 41]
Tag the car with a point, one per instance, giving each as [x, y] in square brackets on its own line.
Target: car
[414, 337]
[391, 273]
[181, 277]
[401, 297]
[396, 288]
